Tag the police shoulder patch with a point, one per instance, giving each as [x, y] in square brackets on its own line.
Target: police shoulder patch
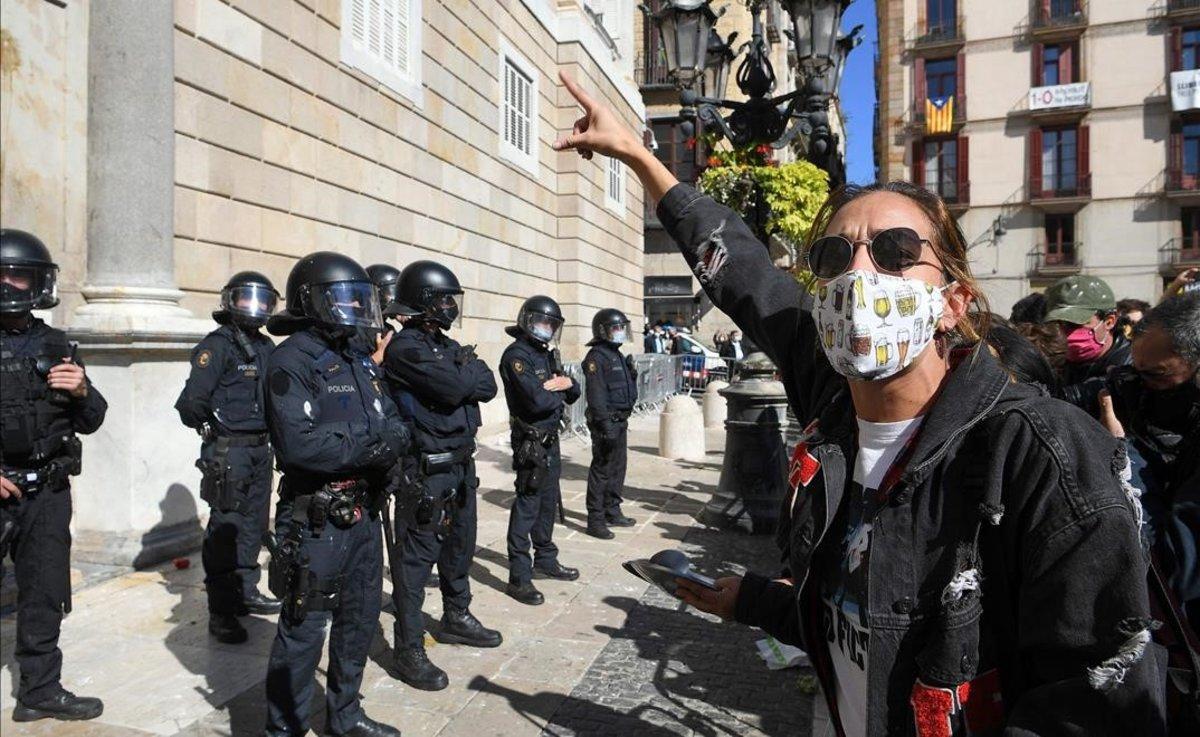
[518, 366]
[590, 366]
[203, 358]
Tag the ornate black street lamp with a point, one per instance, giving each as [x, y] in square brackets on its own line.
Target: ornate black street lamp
[695, 53]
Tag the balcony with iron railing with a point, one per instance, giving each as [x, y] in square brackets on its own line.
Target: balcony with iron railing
[1182, 185]
[1060, 193]
[1058, 19]
[652, 76]
[1177, 10]
[1179, 254]
[1063, 260]
[916, 121]
[926, 39]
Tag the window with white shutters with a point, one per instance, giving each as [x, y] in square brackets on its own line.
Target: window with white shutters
[518, 110]
[614, 193]
[382, 38]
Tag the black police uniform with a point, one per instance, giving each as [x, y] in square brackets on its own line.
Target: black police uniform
[335, 432]
[535, 413]
[38, 451]
[437, 385]
[225, 391]
[611, 383]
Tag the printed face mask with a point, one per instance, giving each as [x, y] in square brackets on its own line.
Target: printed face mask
[1083, 345]
[873, 325]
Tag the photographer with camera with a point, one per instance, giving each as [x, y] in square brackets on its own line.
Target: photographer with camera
[45, 399]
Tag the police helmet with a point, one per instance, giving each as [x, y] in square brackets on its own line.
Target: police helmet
[248, 298]
[28, 277]
[540, 318]
[387, 280]
[332, 290]
[429, 291]
[610, 326]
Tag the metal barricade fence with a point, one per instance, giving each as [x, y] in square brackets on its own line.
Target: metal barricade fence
[659, 378]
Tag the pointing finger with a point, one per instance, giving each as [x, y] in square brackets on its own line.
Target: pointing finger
[582, 97]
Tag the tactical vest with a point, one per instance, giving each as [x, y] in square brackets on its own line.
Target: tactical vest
[238, 399]
[35, 421]
[344, 397]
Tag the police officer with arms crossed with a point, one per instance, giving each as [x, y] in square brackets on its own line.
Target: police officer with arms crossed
[337, 435]
[224, 401]
[437, 385]
[536, 391]
[611, 382]
[45, 399]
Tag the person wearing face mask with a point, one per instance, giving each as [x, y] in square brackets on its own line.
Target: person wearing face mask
[337, 436]
[1085, 311]
[438, 385]
[223, 400]
[537, 391]
[611, 383]
[959, 548]
[1155, 403]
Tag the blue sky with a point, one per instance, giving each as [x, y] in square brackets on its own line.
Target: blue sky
[858, 93]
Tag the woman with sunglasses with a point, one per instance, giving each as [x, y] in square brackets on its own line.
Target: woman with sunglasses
[961, 558]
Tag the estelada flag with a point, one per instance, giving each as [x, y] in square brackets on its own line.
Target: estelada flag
[939, 115]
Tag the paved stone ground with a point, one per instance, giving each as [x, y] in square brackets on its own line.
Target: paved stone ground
[603, 655]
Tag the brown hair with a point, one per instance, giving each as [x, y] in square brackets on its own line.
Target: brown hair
[1049, 340]
[948, 243]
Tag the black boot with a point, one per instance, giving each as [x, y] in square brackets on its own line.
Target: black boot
[368, 727]
[600, 530]
[258, 603]
[525, 593]
[227, 629]
[620, 520]
[460, 627]
[64, 706]
[557, 571]
[416, 670]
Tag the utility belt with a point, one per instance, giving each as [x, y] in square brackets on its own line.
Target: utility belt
[216, 486]
[619, 416]
[433, 463]
[289, 576]
[413, 499]
[50, 474]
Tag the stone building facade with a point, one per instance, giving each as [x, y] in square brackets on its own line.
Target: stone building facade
[1065, 151]
[158, 147]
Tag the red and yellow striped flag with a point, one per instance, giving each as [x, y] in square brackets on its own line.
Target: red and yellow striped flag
[939, 115]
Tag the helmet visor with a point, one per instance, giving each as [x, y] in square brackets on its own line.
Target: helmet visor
[387, 295]
[254, 302]
[540, 326]
[24, 288]
[617, 332]
[350, 303]
[445, 309]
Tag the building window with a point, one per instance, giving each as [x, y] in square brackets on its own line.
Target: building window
[614, 194]
[1189, 218]
[382, 38]
[941, 78]
[1050, 66]
[653, 71]
[1060, 239]
[1062, 9]
[1054, 64]
[677, 152]
[941, 168]
[941, 17]
[1059, 160]
[1189, 49]
[518, 110]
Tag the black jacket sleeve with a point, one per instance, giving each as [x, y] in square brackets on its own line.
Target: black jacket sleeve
[89, 411]
[769, 605]
[597, 389]
[326, 448]
[572, 395]
[438, 381]
[208, 365]
[525, 391]
[484, 381]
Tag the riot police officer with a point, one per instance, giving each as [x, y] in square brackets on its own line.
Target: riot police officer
[611, 382]
[336, 434]
[45, 399]
[386, 279]
[223, 400]
[437, 385]
[536, 390]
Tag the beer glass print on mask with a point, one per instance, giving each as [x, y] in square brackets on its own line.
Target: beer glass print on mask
[839, 292]
[906, 301]
[823, 292]
[883, 307]
[859, 288]
[860, 340]
[902, 339]
[883, 351]
[829, 335]
[841, 332]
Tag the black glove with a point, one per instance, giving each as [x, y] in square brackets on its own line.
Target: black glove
[466, 354]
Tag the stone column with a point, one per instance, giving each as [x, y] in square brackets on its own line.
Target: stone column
[135, 501]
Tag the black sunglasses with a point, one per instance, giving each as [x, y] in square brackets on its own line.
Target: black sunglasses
[894, 249]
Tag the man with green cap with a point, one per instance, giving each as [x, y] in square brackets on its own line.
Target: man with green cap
[1086, 312]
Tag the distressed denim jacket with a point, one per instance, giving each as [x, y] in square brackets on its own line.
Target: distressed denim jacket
[1007, 584]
